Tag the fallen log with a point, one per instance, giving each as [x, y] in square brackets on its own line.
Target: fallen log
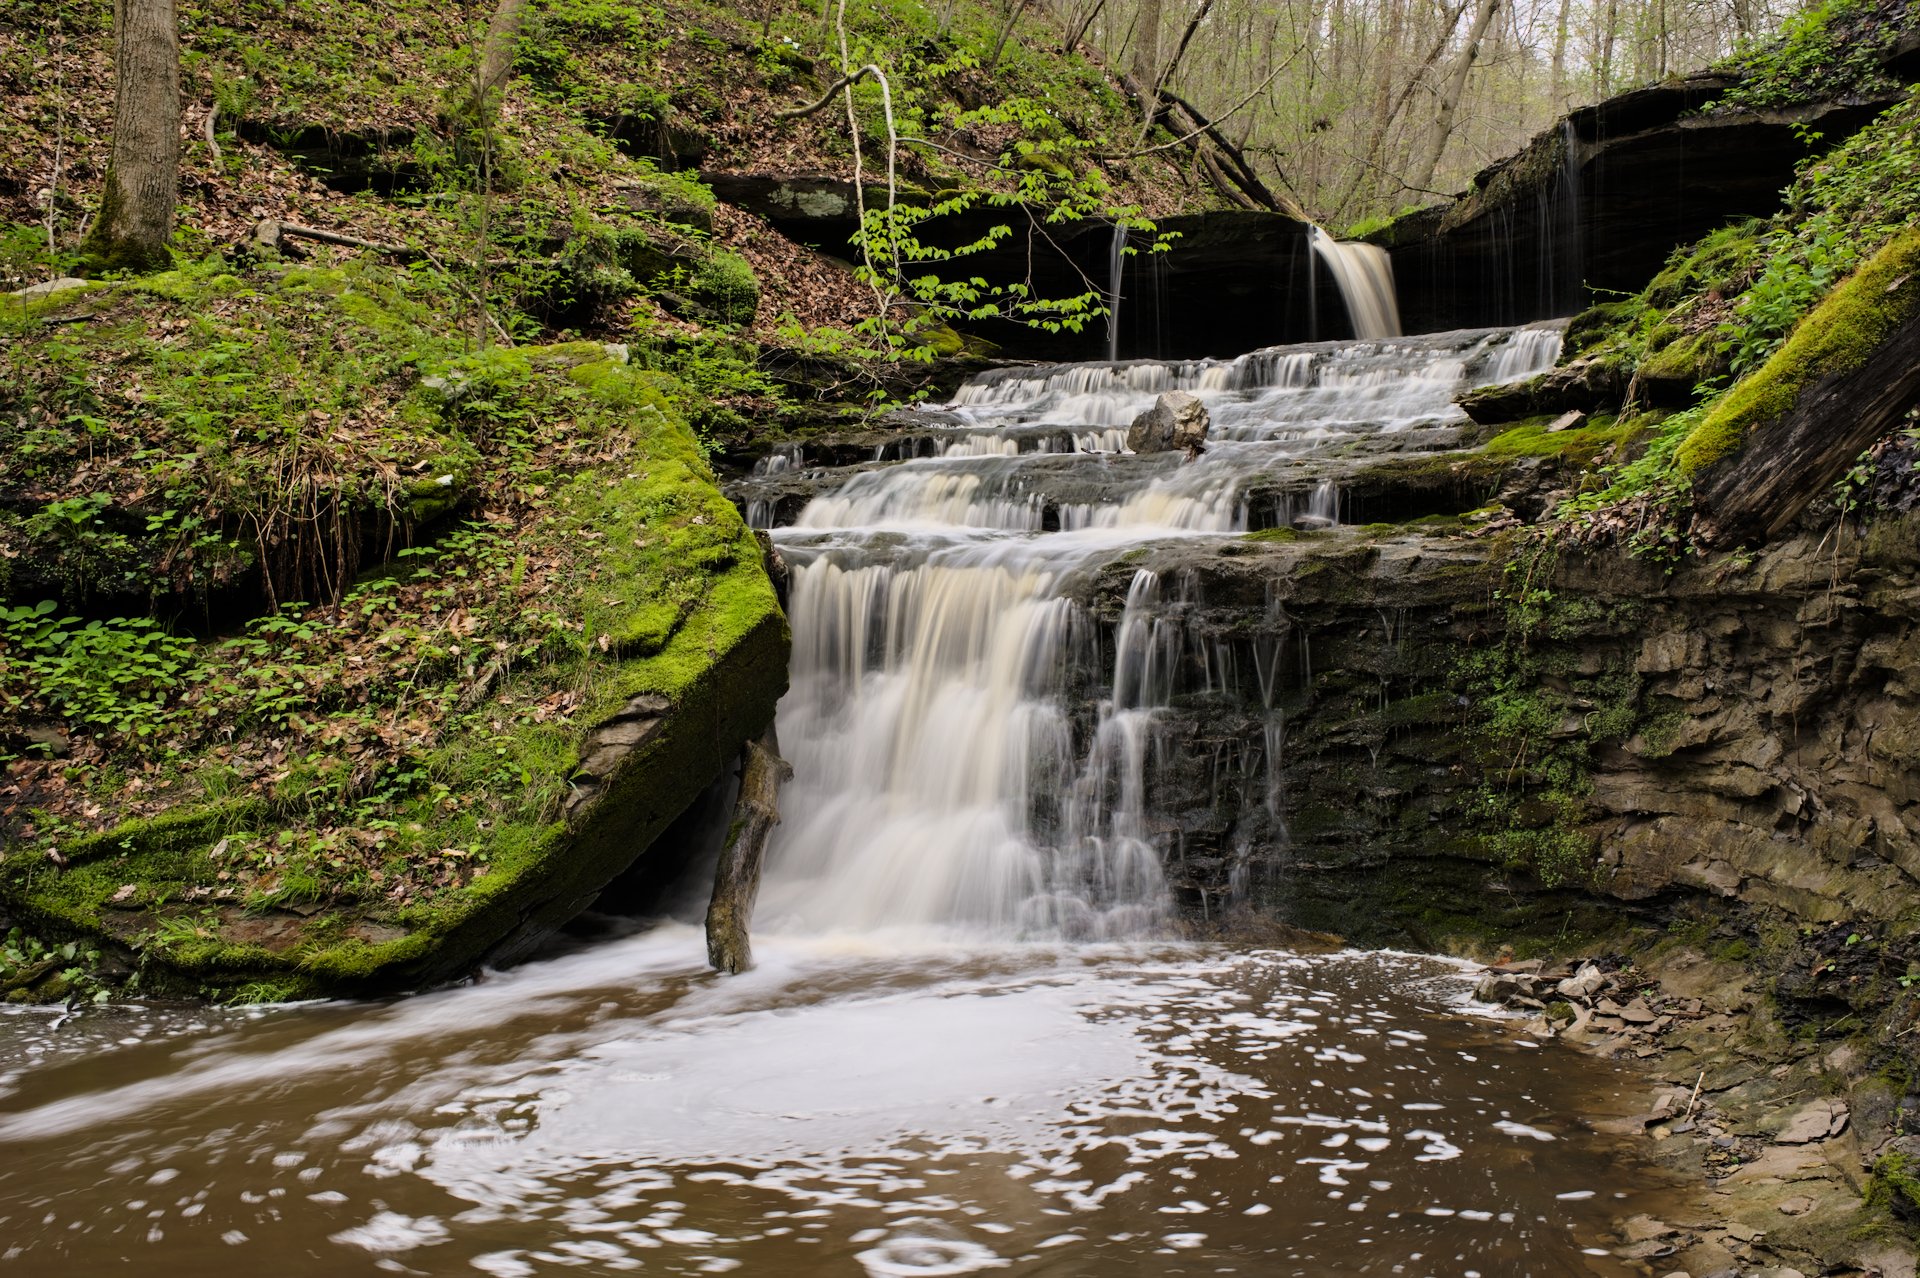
[1848, 375]
[736, 880]
[270, 233]
[1224, 164]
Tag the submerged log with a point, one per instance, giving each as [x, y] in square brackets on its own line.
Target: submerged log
[1847, 376]
[736, 880]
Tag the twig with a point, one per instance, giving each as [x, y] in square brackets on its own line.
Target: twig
[59, 135]
[1201, 132]
[845, 81]
[1695, 1098]
[460, 284]
[206, 128]
[269, 231]
[995, 166]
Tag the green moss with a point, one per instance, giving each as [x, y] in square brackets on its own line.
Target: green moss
[170, 831]
[1582, 443]
[1597, 323]
[1283, 536]
[1838, 337]
[1896, 1183]
[1737, 950]
[725, 284]
[1687, 360]
[1720, 261]
[669, 589]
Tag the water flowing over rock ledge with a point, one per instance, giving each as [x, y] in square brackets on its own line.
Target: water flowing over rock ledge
[1752, 727]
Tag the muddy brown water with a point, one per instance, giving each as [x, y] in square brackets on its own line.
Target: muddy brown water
[846, 1108]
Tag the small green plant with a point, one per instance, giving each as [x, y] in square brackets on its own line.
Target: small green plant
[71, 969]
[117, 676]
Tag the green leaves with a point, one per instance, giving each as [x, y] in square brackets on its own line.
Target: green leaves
[117, 675]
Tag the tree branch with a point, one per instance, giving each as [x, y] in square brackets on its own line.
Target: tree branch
[844, 82]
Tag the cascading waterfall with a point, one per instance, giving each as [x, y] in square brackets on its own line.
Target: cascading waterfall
[973, 748]
[1364, 274]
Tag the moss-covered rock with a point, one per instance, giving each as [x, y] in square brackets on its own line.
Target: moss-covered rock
[453, 760]
[1836, 338]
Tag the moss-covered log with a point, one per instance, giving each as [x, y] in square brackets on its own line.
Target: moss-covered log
[1845, 377]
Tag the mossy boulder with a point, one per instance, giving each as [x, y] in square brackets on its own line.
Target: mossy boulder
[1837, 338]
[640, 644]
[1669, 375]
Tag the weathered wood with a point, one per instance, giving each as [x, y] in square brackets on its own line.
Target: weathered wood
[1225, 166]
[1821, 424]
[736, 880]
[269, 233]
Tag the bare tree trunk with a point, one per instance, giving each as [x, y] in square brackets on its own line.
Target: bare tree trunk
[1389, 113]
[135, 221]
[496, 58]
[1014, 9]
[1146, 49]
[1450, 97]
[1608, 35]
[1079, 29]
[1559, 92]
[1180, 49]
[736, 880]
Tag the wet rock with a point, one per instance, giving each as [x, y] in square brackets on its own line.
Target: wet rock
[1501, 987]
[1584, 984]
[1539, 233]
[1177, 420]
[1814, 1122]
[1652, 1249]
[1798, 1205]
[49, 738]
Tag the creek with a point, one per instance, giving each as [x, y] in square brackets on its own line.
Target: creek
[969, 1044]
[847, 1107]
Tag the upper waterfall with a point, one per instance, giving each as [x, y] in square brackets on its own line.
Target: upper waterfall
[1364, 274]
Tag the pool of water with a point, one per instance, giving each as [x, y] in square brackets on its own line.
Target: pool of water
[849, 1107]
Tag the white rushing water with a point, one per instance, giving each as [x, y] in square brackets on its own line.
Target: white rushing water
[1364, 274]
[943, 780]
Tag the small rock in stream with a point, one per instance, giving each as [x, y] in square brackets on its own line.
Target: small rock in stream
[1177, 420]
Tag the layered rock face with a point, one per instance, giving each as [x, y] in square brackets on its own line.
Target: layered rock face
[1594, 205]
[1745, 732]
[1233, 280]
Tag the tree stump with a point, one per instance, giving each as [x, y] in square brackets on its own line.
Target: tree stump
[736, 880]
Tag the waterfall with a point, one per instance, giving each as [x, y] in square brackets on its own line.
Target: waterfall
[1364, 274]
[1116, 264]
[1562, 238]
[974, 740]
[1527, 352]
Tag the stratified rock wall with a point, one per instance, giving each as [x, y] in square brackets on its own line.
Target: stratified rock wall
[1749, 726]
[1594, 205]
